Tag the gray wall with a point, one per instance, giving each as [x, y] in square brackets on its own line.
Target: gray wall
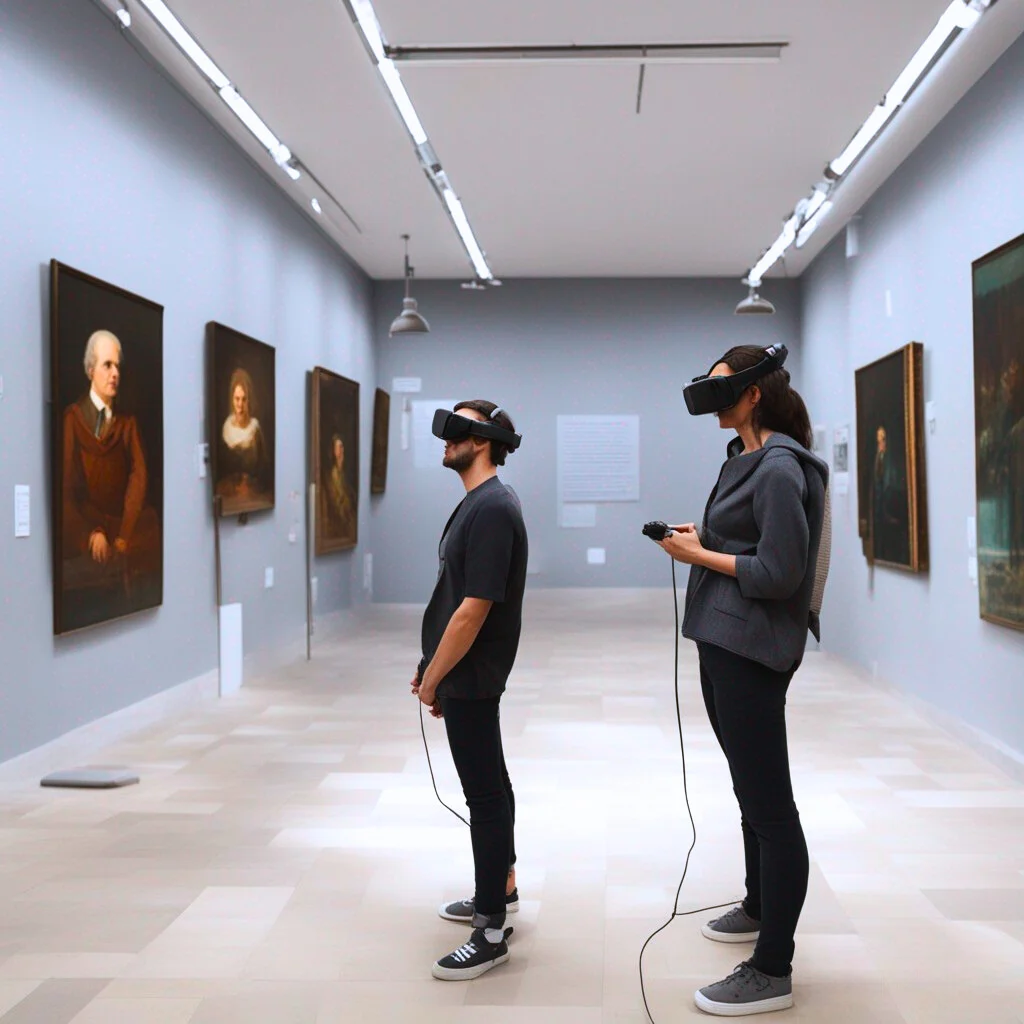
[958, 197]
[544, 348]
[109, 169]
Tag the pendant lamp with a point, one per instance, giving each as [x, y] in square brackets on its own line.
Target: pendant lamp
[754, 303]
[409, 321]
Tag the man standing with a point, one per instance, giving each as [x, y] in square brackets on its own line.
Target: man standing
[470, 637]
[111, 536]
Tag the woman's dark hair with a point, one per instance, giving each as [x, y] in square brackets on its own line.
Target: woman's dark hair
[781, 408]
[498, 450]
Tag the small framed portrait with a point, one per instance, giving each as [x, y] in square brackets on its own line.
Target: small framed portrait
[241, 420]
[106, 355]
[999, 432]
[334, 445]
[381, 422]
[891, 494]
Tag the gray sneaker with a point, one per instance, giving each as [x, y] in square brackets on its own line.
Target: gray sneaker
[463, 910]
[734, 926]
[745, 991]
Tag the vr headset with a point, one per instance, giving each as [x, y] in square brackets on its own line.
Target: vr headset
[450, 426]
[706, 394]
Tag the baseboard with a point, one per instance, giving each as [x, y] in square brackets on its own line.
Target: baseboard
[78, 746]
[997, 752]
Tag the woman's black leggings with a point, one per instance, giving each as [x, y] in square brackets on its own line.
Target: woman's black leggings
[746, 703]
[474, 735]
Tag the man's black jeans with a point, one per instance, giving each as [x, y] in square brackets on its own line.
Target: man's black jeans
[474, 735]
[746, 703]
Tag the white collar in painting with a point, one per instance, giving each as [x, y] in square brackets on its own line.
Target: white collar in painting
[239, 437]
[101, 406]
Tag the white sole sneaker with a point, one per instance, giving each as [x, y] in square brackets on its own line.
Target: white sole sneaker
[709, 933]
[742, 1009]
[467, 973]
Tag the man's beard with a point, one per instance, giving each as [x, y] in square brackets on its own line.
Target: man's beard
[460, 461]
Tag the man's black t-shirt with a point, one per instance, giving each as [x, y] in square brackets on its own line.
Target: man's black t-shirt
[483, 554]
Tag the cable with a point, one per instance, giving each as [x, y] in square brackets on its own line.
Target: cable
[430, 765]
[676, 912]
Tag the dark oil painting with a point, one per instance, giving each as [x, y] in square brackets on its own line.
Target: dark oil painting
[891, 493]
[999, 431]
[335, 453]
[241, 421]
[106, 355]
[379, 461]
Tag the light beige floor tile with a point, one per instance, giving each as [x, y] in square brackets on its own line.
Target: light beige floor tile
[284, 858]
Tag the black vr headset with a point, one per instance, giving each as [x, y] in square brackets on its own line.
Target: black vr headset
[450, 426]
[706, 394]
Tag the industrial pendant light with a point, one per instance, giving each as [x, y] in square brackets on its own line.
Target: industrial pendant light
[409, 320]
[754, 303]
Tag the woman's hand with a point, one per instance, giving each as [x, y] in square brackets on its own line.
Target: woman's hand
[684, 544]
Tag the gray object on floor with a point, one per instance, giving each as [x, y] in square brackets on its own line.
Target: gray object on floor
[96, 776]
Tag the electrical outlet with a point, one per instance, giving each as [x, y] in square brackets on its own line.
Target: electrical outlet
[268, 577]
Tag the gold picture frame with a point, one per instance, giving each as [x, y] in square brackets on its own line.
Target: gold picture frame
[891, 478]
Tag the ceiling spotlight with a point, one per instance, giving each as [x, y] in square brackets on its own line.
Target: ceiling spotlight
[124, 16]
[754, 303]
[315, 203]
[474, 286]
[409, 321]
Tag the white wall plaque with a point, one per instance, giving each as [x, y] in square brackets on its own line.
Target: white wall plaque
[598, 459]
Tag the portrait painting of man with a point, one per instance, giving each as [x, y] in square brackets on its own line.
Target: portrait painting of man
[999, 432]
[107, 356]
[335, 453]
[890, 460]
[241, 415]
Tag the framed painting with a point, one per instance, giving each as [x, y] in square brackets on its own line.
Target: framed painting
[891, 493]
[379, 461]
[106, 359]
[241, 420]
[335, 454]
[999, 431]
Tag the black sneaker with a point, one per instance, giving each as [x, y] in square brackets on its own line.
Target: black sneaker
[463, 910]
[473, 958]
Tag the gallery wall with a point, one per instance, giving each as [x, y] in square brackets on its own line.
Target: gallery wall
[958, 197]
[569, 347]
[110, 170]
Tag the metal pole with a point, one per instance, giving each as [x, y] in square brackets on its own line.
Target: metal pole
[310, 529]
[216, 545]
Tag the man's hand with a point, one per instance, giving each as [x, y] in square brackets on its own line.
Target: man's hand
[99, 547]
[433, 704]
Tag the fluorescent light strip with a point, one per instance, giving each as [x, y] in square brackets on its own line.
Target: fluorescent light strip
[279, 152]
[466, 233]
[191, 48]
[959, 16]
[393, 80]
[366, 19]
[812, 222]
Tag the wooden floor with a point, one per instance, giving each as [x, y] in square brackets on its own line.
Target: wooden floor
[282, 860]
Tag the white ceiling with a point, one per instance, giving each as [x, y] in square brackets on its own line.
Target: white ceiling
[558, 174]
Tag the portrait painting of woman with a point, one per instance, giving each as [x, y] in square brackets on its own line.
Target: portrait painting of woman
[242, 421]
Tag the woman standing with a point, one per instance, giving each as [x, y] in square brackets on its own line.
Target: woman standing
[748, 607]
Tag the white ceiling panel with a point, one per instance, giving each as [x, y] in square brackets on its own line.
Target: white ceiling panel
[558, 173]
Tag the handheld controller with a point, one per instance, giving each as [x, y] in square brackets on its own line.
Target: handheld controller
[657, 530]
